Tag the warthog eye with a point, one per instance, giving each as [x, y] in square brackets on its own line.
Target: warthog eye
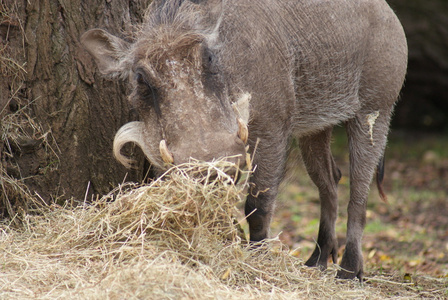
[147, 93]
[210, 62]
[139, 78]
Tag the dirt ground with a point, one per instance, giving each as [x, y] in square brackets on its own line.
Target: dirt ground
[405, 237]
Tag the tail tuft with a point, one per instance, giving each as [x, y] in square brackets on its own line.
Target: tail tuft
[379, 179]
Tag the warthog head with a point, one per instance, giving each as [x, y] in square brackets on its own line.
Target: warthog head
[178, 88]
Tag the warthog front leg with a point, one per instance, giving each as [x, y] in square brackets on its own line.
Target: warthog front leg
[322, 169]
[269, 163]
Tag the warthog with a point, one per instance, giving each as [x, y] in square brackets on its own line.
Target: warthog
[210, 78]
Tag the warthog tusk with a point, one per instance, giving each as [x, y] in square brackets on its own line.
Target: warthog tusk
[167, 157]
[243, 132]
[130, 132]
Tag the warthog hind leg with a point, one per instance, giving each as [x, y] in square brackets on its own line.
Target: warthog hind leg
[367, 141]
[322, 169]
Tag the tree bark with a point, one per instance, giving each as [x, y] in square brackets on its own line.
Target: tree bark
[76, 112]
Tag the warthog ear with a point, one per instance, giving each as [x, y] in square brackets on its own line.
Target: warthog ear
[216, 12]
[108, 50]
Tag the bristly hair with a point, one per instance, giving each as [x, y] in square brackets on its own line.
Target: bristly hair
[380, 178]
[178, 11]
[171, 25]
[174, 17]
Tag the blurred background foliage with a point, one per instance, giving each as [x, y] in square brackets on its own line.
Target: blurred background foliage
[424, 102]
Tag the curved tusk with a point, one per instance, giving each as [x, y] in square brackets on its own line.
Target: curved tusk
[130, 132]
[243, 132]
[167, 157]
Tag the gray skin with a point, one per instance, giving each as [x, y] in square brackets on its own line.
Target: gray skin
[285, 69]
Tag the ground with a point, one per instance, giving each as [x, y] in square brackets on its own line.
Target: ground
[176, 239]
[405, 237]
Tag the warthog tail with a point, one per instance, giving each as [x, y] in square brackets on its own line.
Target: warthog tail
[379, 178]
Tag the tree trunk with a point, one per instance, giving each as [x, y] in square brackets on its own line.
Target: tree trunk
[68, 113]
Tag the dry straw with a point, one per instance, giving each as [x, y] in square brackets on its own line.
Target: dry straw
[176, 238]
[19, 133]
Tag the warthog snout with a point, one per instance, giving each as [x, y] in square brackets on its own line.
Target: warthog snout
[235, 153]
[219, 146]
[214, 146]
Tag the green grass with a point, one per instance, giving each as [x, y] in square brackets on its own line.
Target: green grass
[376, 226]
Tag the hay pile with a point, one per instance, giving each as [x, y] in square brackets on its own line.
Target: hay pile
[173, 239]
